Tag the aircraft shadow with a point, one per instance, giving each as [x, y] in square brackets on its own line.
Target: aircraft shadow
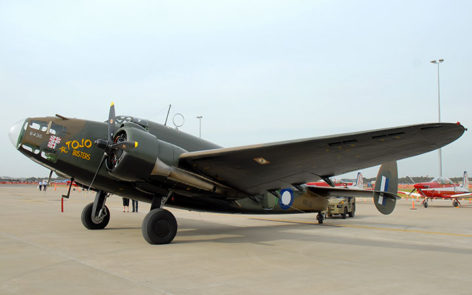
[198, 231]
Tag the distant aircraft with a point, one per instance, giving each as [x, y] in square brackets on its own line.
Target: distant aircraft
[150, 162]
[441, 188]
[359, 183]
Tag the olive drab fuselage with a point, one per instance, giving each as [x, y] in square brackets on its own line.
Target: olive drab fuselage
[67, 146]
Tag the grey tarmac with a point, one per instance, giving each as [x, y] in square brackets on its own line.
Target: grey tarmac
[44, 251]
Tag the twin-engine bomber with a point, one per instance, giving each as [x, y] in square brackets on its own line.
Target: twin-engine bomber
[150, 162]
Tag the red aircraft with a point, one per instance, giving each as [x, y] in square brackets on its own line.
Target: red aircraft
[359, 184]
[442, 188]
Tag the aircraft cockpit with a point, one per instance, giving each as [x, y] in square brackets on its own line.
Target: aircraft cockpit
[123, 119]
[442, 180]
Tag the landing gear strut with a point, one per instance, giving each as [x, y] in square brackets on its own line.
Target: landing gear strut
[96, 215]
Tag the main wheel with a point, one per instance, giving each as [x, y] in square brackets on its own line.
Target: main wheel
[90, 223]
[344, 214]
[425, 204]
[320, 218]
[159, 227]
[455, 203]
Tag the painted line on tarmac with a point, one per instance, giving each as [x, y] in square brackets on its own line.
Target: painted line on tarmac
[371, 227]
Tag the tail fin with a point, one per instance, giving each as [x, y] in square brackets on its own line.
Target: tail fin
[360, 181]
[465, 181]
[386, 187]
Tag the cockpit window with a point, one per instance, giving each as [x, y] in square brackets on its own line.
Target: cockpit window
[442, 180]
[35, 125]
[47, 127]
[123, 119]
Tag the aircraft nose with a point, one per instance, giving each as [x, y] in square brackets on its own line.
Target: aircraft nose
[15, 131]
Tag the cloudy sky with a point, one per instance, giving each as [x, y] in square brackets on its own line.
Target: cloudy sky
[257, 71]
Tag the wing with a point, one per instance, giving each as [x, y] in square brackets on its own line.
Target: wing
[258, 168]
[407, 194]
[462, 196]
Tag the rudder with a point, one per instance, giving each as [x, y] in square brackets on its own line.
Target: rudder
[386, 188]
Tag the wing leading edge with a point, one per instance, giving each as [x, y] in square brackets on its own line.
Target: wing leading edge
[257, 168]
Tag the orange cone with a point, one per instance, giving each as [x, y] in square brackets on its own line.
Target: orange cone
[413, 205]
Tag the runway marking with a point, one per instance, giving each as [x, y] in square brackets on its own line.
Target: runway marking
[371, 227]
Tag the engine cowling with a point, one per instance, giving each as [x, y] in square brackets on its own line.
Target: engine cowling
[136, 164]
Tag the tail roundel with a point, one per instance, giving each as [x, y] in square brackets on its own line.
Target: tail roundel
[465, 181]
[386, 188]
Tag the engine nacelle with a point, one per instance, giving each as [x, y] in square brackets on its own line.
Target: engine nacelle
[136, 164]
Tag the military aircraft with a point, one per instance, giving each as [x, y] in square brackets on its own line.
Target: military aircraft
[441, 188]
[359, 183]
[150, 162]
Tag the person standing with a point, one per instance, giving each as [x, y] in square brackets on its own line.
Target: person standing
[125, 204]
[135, 206]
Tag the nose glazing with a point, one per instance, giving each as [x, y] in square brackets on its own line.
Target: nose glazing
[15, 131]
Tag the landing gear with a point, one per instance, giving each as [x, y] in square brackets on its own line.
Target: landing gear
[344, 214]
[96, 215]
[455, 203]
[320, 217]
[425, 203]
[159, 227]
[92, 223]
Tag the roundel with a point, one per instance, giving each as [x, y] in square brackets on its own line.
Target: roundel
[286, 198]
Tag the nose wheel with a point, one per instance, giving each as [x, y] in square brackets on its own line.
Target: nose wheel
[425, 203]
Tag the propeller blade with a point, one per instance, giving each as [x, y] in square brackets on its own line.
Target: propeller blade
[124, 145]
[411, 180]
[96, 172]
[111, 123]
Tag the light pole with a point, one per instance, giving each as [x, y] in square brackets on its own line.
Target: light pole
[200, 126]
[438, 62]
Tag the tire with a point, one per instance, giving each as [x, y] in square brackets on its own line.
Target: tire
[87, 218]
[159, 227]
[455, 203]
[344, 213]
[425, 204]
[320, 218]
[353, 211]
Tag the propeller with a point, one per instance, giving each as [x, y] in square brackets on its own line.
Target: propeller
[113, 146]
[413, 182]
[411, 192]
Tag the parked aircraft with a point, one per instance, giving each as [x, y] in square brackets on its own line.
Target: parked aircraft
[150, 162]
[441, 188]
[359, 183]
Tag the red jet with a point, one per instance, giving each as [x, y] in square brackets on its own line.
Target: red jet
[442, 188]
